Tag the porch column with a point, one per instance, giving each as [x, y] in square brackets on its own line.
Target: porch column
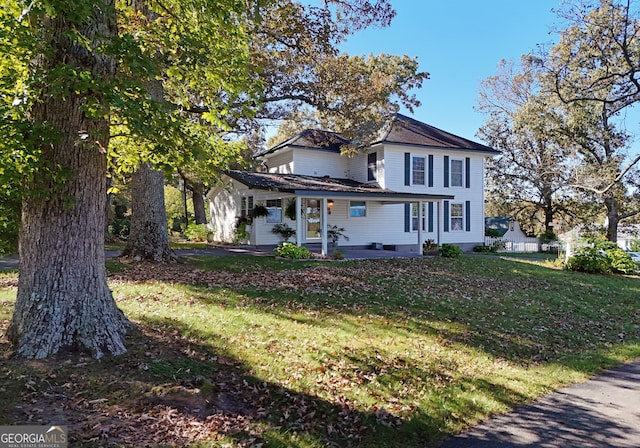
[298, 220]
[323, 225]
[420, 218]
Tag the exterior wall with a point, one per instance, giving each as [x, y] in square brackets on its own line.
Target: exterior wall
[320, 163]
[383, 224]
[358, 166]
[394, 156]
[261, 229]
[281, 163]
[224, 208]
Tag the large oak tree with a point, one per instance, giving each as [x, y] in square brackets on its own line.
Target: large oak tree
[529, 179]
[74, 76]
[594, 70]
[63, 301]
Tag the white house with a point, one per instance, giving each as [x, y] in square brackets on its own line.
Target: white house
[415, 183]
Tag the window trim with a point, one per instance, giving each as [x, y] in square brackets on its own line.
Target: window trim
[452, 173]
[413, 170]
[461, 217]
[271, 218]
[372, 167]
[246, 206]
[414, 216]
[353, 207]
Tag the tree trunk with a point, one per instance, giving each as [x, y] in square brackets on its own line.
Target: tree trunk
[148, 236]
[197, 192]
[613, 218]
[63, 301]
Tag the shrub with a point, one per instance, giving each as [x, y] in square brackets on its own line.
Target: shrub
[450, 251]
[621, 261]
[589, 259]
[196, 232]
[604, 258]
[483, 248]
[495, 233]
[290, 250]
[284, 230]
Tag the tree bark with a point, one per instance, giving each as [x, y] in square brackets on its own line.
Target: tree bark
[148, 236]
[613, 218]
[63, 301]
[197, 193]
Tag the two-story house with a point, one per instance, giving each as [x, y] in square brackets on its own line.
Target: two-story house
[415, 183]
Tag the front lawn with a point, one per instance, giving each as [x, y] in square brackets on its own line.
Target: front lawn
[244, 351]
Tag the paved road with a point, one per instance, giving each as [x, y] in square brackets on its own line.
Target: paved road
[603, 412]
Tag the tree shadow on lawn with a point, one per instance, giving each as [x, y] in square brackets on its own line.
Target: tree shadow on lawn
[168, 390]
[510, 309]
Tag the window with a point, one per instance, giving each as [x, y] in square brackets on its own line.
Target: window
[457, 217]
[417, 170]
[275, 211]
[246, 206]
[456, 173]
[372, 166]
[357, 209]
[414, 216]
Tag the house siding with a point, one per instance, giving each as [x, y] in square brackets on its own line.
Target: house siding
[281, 163]
[320, 163]
[224, 209]
[474, 194]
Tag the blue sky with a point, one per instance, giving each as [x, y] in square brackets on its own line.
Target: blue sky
[459, 43]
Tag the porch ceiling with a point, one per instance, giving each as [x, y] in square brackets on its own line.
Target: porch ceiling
[311, 186]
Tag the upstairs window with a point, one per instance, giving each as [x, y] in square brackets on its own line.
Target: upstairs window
[457, 173]
[417, 170]
[372, 166]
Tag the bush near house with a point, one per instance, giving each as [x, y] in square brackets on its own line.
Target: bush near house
[196, 232]
[603, 258]
[450, 251]
[290, 250]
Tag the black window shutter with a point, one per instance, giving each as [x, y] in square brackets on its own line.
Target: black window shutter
[407, 168]
[446, 215]
[446, 171]
[467, 215]
[431, 170]
[430, 212]
[467, 172]
[407, 217]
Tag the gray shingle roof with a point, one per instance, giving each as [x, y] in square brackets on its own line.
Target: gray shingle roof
[308, 185]
[406, 130]
[401, 130]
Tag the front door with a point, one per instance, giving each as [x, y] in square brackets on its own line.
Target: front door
[312, 218]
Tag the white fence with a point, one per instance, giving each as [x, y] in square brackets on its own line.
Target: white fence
[525, 245]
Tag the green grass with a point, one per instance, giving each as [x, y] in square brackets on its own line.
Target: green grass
[380, 353]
